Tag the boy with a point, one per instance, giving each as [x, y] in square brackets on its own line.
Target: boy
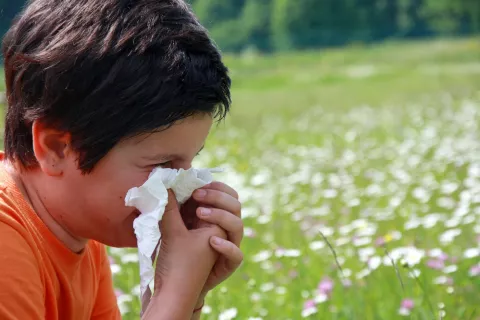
[99, 93]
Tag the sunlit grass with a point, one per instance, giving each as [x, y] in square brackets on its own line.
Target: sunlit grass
[373, 150]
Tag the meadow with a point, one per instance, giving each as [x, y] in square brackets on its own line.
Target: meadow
[359, 174]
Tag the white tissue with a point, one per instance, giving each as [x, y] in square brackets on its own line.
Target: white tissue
[151, 199]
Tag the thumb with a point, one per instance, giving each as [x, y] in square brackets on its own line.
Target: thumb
[172, 220]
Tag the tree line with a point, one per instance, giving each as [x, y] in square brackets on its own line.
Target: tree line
[278, 25]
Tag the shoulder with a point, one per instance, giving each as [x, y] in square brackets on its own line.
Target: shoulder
[14, 224]
[19, 249]
[22, 284]
[17, 254]
[14, 210]
[11, 236]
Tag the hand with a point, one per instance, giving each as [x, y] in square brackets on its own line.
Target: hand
[184, 263]
[224, 211]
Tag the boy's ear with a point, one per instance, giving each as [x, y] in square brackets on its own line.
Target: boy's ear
[51, 148]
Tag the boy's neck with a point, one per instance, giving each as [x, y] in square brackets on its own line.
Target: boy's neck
[26, 185]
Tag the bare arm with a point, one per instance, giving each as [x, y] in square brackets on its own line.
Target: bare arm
[171, 304]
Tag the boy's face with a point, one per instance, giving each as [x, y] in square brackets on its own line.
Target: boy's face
[92, 206]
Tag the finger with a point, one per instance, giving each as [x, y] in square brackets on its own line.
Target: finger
[218, 199]
[231, 252]
[220, 186]
[232, 224]
[172, 219]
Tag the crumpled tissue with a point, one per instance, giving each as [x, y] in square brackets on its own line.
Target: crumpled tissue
[151, 199]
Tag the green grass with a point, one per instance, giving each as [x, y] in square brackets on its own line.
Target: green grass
[357, 144]
[347, 141]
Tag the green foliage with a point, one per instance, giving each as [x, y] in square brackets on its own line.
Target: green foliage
[213, 12]
[313, 23]
[255, 21]
[281, 25]
[229, 34]
[450, 17]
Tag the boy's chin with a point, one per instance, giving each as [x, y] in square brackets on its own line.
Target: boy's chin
[124, 243]
[124, 239]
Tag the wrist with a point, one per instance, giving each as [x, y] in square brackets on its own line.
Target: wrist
[172, 300]
[169, 305]
[178, 288]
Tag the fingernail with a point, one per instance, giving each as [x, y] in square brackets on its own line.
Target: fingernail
[201, 193]
[205, 211]
[218, 241]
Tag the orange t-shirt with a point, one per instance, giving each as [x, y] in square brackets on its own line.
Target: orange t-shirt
[40, 278]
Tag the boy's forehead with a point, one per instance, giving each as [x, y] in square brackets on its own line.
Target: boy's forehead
[164, 155]
[181, 138]
[184, 129]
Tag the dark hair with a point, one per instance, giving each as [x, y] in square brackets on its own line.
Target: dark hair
[106, 70]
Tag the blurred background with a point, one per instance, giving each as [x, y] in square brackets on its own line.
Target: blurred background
[353, 142]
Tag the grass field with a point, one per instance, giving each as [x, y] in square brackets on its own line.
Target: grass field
[359, 174]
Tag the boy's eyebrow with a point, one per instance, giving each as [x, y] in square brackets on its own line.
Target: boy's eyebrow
[158, 157]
